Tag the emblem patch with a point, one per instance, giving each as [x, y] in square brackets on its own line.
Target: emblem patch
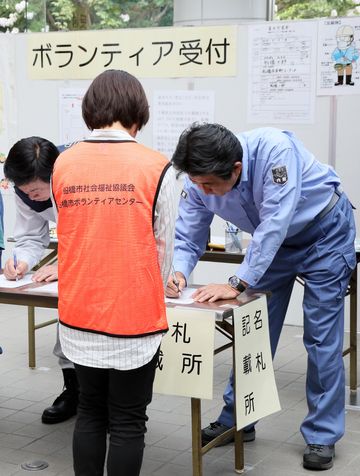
[280, 175]
[184, 194]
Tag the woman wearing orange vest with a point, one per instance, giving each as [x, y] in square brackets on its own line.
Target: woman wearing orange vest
[116, 212]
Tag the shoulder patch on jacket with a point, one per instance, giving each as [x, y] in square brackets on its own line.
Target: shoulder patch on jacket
[183, 194]
[280, 175]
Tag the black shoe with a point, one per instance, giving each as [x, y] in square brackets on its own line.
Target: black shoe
[216, 429]
[319, 457]
[65, 405]
[63, 408]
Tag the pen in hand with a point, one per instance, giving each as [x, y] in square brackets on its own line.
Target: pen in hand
[175, 281]
[15, 264]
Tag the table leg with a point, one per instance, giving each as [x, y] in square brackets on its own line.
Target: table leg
[238, 435]
[196, 436]
[239, 452]
[31, 336]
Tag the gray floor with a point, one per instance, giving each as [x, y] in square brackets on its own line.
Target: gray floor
[277, 451]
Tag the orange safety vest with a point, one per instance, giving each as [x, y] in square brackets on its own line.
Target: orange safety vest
[109, 275]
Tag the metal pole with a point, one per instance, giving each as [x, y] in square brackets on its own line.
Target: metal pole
[31, 336]
[270, 10]
[332, 131]
[26, 16]
[196, 436]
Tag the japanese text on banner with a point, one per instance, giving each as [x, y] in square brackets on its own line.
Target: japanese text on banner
[160, 52]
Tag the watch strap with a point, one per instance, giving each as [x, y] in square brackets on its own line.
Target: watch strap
[240, 287]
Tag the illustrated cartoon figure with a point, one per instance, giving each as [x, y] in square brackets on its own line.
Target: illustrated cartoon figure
[344, 55]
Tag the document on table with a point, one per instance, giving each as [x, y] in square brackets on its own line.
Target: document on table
[185, 297]
[46, 288]
[6, 283]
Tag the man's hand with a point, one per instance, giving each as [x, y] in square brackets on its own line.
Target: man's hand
[215, 292]
[173, 290]
[12, 273]
[46, 273]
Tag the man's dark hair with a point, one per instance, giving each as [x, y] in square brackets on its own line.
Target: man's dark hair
[114, 96]
[30, 159]
[207, 149]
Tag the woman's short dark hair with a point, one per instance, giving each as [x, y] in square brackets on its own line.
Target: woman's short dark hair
[207, 149]
[30, 159]
[114, 96]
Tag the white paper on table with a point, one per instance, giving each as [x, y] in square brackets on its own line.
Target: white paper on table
[185, 297]
[46, 288]
[6, 283]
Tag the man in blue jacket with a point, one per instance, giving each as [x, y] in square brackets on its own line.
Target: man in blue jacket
[267, 184]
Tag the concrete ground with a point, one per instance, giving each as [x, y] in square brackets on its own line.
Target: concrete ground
[277, 451]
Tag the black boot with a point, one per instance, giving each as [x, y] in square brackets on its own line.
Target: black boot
[339, 81]
[65, 405]
[348, 80]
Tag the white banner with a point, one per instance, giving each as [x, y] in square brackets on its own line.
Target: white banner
[255, 387]
[150, 52]
[186, 361]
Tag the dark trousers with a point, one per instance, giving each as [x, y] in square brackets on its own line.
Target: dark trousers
[112, 401]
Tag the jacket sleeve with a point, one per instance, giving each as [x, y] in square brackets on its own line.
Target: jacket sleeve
[191, 230]
[31, 234]
[164, 224]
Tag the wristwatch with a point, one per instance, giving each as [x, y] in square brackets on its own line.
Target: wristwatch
[235, 283]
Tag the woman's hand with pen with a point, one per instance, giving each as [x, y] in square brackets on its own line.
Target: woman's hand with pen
[176, 283]
[15, 269]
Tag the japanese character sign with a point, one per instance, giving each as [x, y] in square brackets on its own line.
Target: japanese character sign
[185, 365]
[256, 393]
[160, 52]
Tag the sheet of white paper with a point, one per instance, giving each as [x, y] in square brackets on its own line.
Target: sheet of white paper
[185, 297]
[6, 283]
[46, 288]
[172, 111]
[72, 127]
[218, 240]
[281, 72]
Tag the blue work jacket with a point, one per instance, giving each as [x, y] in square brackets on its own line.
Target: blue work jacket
[281, 189]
